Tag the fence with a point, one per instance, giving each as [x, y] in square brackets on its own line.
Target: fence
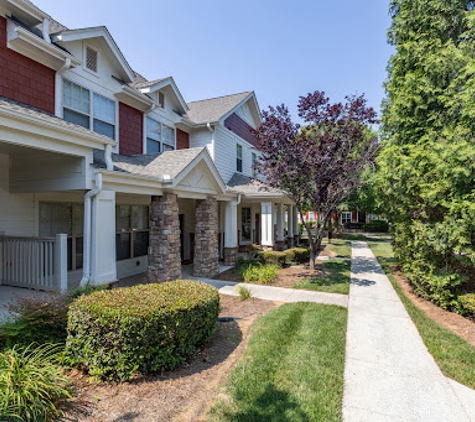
[38, 263]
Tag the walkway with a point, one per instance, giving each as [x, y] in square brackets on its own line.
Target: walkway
[389, 374]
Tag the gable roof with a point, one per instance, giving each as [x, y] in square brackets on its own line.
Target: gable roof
[214, 109]
[109, 46]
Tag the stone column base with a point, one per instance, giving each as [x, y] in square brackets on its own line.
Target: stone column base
[290, 242]
[279, 245]
[267, 247]
[230, 255]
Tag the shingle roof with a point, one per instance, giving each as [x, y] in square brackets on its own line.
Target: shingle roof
[213, 109]
[8, 104]
[248, 186]
[170, 163]
[140, 82]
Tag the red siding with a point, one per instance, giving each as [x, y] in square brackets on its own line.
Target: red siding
[130, 130]
[182, 140]
[237, 125]
[24, 80]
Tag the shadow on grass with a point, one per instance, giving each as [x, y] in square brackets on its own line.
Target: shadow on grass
[272, 405]
[337, 281]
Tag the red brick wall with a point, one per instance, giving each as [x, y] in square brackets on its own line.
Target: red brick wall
[241, 128]
[130, 130]
[24, 80]
[182, 140]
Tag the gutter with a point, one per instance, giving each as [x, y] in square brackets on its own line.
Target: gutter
[88, 198]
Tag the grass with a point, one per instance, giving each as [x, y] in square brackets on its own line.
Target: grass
[341, 247]
[455, 357]
[292, 369]
[337, 281]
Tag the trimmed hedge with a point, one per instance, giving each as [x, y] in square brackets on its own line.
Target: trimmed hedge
[297, 255]
[379, 226]
[114, 333]
[273, 257]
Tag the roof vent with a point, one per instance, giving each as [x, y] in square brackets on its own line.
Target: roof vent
[91, 59]
[161, 99]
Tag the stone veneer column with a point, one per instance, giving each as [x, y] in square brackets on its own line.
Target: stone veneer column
[206, 260]
[164, 261]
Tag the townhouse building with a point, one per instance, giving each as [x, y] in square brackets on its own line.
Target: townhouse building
[106, 174]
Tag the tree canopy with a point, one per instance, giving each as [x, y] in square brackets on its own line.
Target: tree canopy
[319, 163]
[426, 168]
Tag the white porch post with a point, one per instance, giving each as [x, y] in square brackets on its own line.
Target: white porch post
[295, 223]
[103, 256]
[290, 223]
[280, 242]
[267, 225]
[61, 262]
[231, 246]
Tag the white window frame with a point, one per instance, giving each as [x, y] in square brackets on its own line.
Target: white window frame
[87, 69]
[346, 214]
[162, 144]
[90, 114]
[239, 158]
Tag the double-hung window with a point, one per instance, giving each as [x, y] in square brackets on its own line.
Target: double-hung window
[345, 217]
[88, 109]
[239, 158]
[132, 231]
[160, 137]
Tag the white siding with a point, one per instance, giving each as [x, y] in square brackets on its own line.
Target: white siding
[202, 138]
[225, 153]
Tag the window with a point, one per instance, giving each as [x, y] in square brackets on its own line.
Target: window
[239, 158]
[88, 109]
[246, 224]
[67, 218]
[311, 216]
[132, 231]
[161, 99]
[345, 217]
[160, 137]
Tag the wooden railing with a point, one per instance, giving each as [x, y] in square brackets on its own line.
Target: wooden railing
[37, 263]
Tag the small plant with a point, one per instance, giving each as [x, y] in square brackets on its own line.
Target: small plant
[261, 273]
[244, 293]
[31, 384]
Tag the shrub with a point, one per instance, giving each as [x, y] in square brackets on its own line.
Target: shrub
[377, 226]
[244, 293]
[297, 255]
[261, 273]
[31, 384]
[40, 319]
[273, 257]
[143, 328]
[467, 302]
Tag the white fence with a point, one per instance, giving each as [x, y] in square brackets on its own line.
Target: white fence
[37, 263]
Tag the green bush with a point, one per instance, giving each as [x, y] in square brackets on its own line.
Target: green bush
[297, 255]
[467, 302]
[244, 293]
[31, 384]
[261, 273]
[273, 257]
[379, 226]
[114, 333]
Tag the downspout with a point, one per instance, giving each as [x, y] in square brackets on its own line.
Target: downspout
[45, 30]
[88, 198]
[211, 129]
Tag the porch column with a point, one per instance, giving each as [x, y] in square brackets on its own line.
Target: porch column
[280, 242]
[291, 228]
[103, 256]
[206, 260]
[231, 247]
[267, 226]
[164, 261]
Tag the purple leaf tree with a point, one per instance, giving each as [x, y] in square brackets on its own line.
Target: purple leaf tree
[319, 163]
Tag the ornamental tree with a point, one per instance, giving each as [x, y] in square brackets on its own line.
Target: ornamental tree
[319, 163]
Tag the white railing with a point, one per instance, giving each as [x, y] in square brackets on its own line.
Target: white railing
[37, 263]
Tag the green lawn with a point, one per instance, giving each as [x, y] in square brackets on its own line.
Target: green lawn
[292, 369]
[455, 357]
[338, 281]
[341, 247]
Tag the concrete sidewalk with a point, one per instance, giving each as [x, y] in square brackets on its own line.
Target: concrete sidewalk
[389, 374]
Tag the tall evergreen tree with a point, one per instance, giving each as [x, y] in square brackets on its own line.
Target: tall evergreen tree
[426, 167]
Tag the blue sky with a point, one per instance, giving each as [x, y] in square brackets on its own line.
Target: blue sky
[280, 49]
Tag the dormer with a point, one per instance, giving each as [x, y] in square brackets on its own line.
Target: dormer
[165, 95]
